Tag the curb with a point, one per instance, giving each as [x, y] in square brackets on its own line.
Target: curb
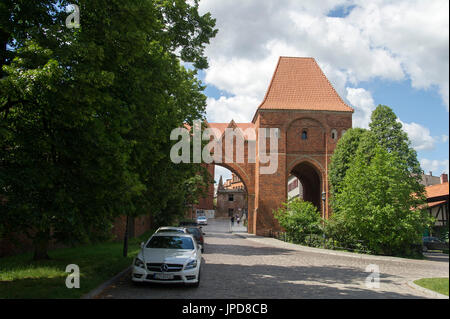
[429, 292]
[96, 291]
[327, 251]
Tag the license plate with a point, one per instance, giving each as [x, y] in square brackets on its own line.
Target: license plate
[163, 276]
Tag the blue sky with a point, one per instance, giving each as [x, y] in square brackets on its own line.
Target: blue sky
[394, 53]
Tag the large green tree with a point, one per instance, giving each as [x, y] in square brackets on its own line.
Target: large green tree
[379, 206]
[376, 190]
[86, 113]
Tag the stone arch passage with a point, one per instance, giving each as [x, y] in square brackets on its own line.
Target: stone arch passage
[248, 205]
[310, 179]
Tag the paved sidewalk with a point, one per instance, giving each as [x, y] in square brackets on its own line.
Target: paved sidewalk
[239, 228]
[439, 258]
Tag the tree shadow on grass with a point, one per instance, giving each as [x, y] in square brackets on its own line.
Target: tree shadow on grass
[35, 288]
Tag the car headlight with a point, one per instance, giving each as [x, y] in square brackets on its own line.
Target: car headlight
[139, 263]
[191, 264]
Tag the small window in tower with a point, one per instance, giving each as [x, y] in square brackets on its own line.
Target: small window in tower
[304, 135]
[334, 135]
[230, 197]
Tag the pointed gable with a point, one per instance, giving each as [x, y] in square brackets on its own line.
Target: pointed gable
[241, 127]
[300, 84]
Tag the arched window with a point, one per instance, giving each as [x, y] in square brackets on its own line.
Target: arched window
[334, 135]
[304, 135]
[343, 132]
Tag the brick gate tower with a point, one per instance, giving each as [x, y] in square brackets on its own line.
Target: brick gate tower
[309, 117]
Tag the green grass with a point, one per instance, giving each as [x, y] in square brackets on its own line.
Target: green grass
[21, 277]
[439, 285]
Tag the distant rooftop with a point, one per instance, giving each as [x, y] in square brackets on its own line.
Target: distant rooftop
[437, 190]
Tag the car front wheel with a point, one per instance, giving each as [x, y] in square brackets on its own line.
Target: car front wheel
[195, 285]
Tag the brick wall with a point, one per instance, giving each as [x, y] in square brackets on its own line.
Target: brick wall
[136, 226]
[224, 204]
[207, 202]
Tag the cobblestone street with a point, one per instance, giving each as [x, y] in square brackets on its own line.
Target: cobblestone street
[239, 266]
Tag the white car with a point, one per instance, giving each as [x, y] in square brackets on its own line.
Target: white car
[169, 229]
[202, 220]
[168, 258]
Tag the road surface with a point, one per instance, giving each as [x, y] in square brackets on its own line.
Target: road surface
[238, 267]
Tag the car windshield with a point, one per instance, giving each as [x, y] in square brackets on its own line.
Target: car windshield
[201, 217]
[170, 231]
[194, 231]
[171, 242]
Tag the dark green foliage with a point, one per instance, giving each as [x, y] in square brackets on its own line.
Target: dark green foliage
[86, 113]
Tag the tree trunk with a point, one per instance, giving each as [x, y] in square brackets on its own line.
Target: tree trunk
[125, 239]
[41, 244]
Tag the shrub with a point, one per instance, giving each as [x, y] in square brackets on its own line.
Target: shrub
[299, 218]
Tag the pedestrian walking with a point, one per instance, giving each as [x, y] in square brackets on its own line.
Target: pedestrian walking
[232, 220]
[238, 219]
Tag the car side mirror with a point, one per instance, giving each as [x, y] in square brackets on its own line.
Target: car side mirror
[142, 245]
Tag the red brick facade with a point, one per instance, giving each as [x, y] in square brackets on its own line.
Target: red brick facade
[231, 201]
[299, 101]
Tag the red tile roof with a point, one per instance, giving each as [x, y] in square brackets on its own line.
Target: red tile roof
[437, 190]
[300, 84]
[222, 126]
[433, 204]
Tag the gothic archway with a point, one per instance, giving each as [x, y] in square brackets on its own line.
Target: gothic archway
[311, 180]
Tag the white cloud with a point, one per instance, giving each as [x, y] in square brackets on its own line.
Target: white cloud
[420, 137]
[221, 171]
[361, 100]
[237, 108]
[363, 103]
[416, 32]
[435, 166]
[444, 138]
[404, 39]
